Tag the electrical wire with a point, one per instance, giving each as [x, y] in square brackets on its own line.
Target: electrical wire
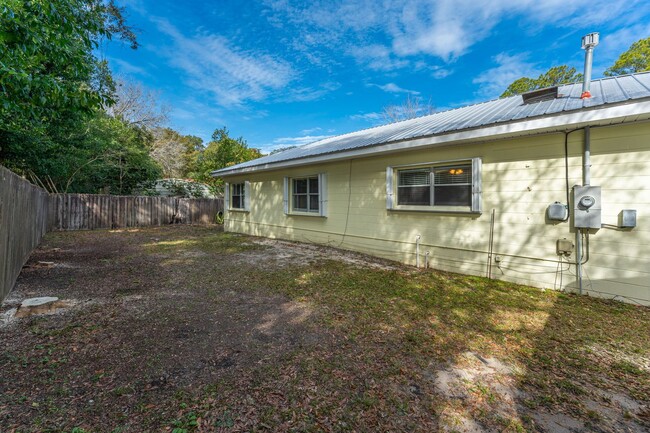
[347, 214]
[566, 171]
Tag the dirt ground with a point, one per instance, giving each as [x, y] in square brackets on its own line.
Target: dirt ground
[186, 329]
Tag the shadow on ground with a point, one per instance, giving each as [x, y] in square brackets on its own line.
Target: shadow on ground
[192, 329]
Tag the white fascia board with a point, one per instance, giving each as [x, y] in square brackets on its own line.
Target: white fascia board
[621, 113]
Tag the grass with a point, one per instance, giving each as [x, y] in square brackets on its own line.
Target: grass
[212, 338]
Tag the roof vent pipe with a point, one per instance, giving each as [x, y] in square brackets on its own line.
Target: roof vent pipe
[588, 43]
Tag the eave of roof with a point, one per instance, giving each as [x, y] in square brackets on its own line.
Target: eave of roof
[618, 100]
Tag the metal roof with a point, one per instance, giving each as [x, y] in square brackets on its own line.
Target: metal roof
[610, 90]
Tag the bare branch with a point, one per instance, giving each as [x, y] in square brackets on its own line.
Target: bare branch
[412, 107]
[138, 106]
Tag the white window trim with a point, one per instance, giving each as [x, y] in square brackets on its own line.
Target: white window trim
[228, 197]
[476, 206]
[287, 195]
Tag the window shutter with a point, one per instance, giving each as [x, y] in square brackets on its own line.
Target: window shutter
[322, 194]
[477, 186]
[285, 195]
[226, 197]
[247, 195]
[389, 187]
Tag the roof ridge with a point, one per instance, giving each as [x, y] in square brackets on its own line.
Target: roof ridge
[472, 116]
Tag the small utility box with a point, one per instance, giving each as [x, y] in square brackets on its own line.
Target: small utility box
[564, 247]
[627, 219]
[557, 212]
[587, 207]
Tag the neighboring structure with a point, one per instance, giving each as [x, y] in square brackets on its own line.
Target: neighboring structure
[180, 188]
[474, 190]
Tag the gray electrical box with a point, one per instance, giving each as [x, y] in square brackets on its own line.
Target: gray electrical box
[627, 219]
[557, 212]
[586, 207]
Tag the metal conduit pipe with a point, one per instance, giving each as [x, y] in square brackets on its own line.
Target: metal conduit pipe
[586, 181]
[586, 159]
[417, 251]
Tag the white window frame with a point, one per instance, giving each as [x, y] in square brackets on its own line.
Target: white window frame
[228, 193]
[288, 195]
[392, 180]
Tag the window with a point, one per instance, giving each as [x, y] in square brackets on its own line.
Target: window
[237, 196]
[306, 195]
[453, 186]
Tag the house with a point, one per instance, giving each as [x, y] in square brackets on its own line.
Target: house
[548, 190]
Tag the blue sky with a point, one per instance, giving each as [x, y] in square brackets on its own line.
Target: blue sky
[283, 72]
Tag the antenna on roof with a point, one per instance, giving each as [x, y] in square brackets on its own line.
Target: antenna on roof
[588, 43]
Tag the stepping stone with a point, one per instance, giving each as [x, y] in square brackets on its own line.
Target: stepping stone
[42, 305]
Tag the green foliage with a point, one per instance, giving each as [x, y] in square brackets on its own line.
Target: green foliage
[177, 154]
[553, 77]
[635, 59]
[222, 151]
[53, 89]
[90, 155]
[48, 68]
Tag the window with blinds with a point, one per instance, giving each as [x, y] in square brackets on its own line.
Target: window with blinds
[449, 185]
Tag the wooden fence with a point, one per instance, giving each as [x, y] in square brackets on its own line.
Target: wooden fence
[27, 212]
[90, 211]
[23, 222]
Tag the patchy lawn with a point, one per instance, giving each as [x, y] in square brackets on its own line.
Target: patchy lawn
[189, 329]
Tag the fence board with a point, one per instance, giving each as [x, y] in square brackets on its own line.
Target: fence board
[24, 210]
[27, 212]
[90, 211]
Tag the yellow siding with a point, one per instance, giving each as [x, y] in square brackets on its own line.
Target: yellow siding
[520, 178]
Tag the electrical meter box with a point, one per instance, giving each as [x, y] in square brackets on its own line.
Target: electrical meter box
[586, 207]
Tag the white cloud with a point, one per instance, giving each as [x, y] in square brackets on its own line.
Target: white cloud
[126, 68]
[509, 68]
[371, 117]
[393, 88]
[445, 29]
[376, 57]
[301, 94]
[441, 73]
[232, 75]
[298, 141]
[281, 142]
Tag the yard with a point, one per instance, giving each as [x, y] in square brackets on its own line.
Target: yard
[189, 329]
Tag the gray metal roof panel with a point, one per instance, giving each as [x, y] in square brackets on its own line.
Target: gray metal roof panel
[608, 90]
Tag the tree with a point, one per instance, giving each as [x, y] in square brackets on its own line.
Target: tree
[117, 155]
[553, 77]
[175, 153]
[48, 66]
[53, 88]
[635, 59]
[137, 106]
[411, 108]
[222, 151]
